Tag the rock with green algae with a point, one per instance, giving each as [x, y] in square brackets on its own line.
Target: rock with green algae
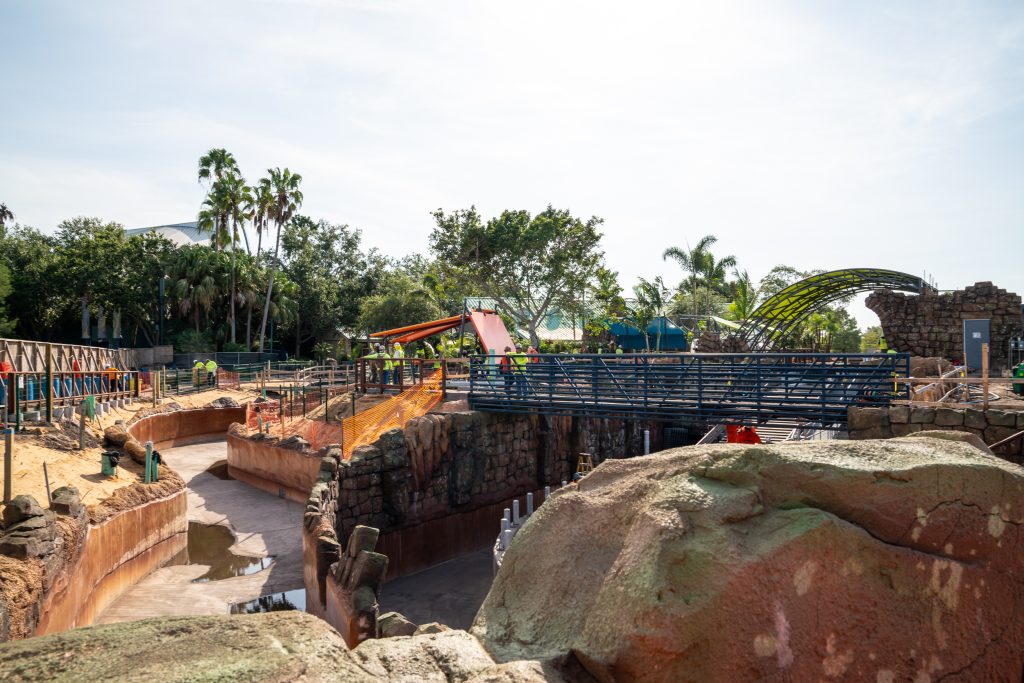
[264, 648]
[889, 560]
[261, 647]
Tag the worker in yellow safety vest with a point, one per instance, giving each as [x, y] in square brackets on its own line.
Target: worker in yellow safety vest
[211, 371]
[398, 354]
[198, 373]
[518, 367]
[381, 355]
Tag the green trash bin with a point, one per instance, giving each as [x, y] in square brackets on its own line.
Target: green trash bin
[1018, 372]
[108, 463]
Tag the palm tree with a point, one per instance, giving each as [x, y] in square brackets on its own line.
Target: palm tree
[197, 275]
[744, 298]
[235, 197]
[284, 187]
[260, 204]
[5, 215]
[704, 270]
[650, 298]
[214, 166]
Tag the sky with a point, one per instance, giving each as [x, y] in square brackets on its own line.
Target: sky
[823, 134]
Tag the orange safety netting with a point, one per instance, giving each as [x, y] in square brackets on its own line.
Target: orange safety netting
[228, 380]
[261, 414]
[363, 428]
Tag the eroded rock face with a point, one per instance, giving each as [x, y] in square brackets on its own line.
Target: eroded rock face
[873, 560]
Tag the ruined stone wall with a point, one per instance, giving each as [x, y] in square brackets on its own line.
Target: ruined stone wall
[991, 425]
[436, 489]
[932, 324]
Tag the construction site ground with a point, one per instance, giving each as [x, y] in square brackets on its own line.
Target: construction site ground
[57, 446]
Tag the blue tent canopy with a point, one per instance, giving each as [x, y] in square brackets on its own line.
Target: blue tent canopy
[629, 337]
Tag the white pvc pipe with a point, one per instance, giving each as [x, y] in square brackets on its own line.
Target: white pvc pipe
[547, 493]
[515, 512]
[529, 504]
[647, 442]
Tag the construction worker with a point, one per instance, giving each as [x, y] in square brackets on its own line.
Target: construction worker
[211, 371]
[112, 379]
[198, 371]
[505, 369]
[383, 363]
[518, 367]
[747, 435]
[398, 366]
[614, 348]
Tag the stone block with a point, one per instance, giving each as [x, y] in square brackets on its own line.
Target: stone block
[899, 415]
[21, 508]
[922, 415]
[949, 417]
[393, 624]
[905, 429]
[996, 434]
[1001, 418]
[975, 419]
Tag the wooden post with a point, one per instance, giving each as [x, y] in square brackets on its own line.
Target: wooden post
[8, 463]
[984, 375]
[444, 379]
[49, 384]
[46, 479]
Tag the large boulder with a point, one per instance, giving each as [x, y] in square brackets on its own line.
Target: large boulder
[871, 560]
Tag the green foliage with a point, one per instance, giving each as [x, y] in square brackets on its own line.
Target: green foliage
[651, 298]
[400, 301]
[745, 297]
[528, 264]
[323, 351]
[192, 341]
[331, 273]
[283, 188]
[703, 289]
[6, 326]
[871, 340]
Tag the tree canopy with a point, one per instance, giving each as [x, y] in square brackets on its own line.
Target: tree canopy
[526, 263]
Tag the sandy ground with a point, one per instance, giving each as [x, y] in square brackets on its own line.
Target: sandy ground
[66, 466]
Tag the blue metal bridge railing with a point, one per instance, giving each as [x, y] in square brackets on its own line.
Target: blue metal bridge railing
[785, 389]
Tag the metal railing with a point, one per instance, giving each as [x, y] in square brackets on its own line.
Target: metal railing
[402, 373]
[41, 393]
[785, 389]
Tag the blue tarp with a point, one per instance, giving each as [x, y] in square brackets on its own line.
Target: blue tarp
[629, 337]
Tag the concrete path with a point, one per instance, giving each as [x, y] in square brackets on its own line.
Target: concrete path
[263, 524]
[450, 593]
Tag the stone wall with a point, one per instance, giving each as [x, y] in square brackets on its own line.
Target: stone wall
[991, 425]
[931, 324]
[436, 489]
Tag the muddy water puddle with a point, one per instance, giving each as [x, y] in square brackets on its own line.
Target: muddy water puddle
[278, 602]
[209, 544]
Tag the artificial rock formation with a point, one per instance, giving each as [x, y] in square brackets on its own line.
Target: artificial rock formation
[931, 324]
[863, 561]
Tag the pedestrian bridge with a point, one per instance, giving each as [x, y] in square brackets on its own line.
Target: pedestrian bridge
[786, 389]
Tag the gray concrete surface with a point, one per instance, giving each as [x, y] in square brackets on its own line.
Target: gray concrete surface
[263, 524]
[450, 593]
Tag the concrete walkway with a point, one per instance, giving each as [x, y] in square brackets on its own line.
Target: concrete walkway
[450, 593]
[263, 524]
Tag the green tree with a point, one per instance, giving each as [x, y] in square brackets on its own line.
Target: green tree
[745, 297]
[871, 340]
[6, 325]
[651, 297]
[39, 295]
[705, 274]
[283, 186]
[199, 276]
[5, 217]
[525, 263]
[332, 275]
[400, 301]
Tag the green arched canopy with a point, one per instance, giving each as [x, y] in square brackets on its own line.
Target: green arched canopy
[778, 317]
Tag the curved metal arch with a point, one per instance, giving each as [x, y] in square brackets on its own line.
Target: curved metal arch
[775, 319]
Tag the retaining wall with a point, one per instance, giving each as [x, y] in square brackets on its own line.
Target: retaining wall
[286, 472]
[116, 553]
[992, 425]
[183, 427]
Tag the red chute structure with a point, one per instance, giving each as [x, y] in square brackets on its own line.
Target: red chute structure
[487, 324]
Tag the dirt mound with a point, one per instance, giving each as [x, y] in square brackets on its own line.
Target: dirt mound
[137, 494]
[223, 402]
[63, 436]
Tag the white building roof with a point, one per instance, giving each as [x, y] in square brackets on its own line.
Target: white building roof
[179, 233]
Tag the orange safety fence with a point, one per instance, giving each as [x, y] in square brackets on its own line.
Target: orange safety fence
[228, 380]
[357, 430]
[262, 414]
